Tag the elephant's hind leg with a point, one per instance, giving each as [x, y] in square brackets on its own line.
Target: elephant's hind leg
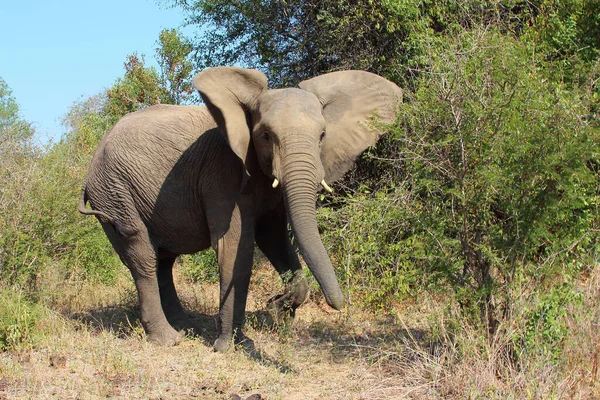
[138, 254]
[168, 295]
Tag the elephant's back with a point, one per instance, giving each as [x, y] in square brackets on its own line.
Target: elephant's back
[136, 169]
[150, 141]
[165, 130]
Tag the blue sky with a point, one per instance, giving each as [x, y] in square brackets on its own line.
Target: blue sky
[53, 53]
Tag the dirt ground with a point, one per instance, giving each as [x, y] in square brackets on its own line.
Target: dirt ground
[96, 349]
[92, 346]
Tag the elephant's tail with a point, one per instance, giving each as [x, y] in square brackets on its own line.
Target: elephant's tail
[87, 211]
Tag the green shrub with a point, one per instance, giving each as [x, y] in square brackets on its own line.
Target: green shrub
[367, 237]
[18, 319]
[22, 223]
[494, 177]
[200, 267]
[39, 221]
[497, 152]
[88, 253]
[544, 322]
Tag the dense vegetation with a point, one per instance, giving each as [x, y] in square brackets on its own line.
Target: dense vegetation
[485, 191]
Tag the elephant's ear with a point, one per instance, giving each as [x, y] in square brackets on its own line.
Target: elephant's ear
[230, 93]
[350, 99]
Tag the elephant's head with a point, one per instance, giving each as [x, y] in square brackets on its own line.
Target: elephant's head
[302, 138]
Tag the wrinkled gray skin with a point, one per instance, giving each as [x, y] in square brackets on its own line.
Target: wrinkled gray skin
[165, 181]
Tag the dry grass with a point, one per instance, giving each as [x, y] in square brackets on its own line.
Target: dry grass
[94, 347]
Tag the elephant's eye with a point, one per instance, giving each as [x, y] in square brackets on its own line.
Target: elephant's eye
[265, 136]
[322, 136]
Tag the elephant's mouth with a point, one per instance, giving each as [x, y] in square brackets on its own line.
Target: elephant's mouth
[324, 184]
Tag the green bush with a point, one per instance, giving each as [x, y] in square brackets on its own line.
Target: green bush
[18, 319]
[494, 177]
[367, 236]
[544, 322]
[200, 267]
[22, 222]
[496, 150]
[89, 253]
[39, 222]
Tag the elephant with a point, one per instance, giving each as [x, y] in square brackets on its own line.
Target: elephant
[176, 179]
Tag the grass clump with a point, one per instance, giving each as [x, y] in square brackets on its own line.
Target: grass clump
[200, 267]
[19, 319]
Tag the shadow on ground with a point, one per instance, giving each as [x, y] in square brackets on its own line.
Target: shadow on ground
[386, 344]
[124, 322]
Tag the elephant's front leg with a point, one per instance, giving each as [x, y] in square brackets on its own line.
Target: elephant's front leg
[272, 237]
[235, 251]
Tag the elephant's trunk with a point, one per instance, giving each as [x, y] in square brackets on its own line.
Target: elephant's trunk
[300, 181]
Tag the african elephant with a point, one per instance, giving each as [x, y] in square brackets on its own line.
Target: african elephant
[171, 180]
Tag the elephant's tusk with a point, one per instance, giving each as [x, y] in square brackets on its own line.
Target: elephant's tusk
[326, 186]
[275, 183]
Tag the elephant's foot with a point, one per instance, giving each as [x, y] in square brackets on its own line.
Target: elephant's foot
[281, 309]
[226, 341]
[223, 344]
[283, 306]
[165, 337]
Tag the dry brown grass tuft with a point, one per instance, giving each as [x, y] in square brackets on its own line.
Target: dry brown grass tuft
[94, 347]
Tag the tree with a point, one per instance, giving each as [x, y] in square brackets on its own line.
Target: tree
[139, 88]
[495, 182]
[291, 40]
[297, 39]
[14, 130]
[175, 66]
[86, 123]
